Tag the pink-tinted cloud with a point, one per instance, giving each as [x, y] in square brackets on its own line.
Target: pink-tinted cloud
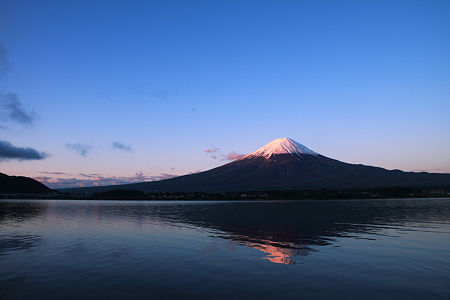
[213, 150]
[196, 172]
[165, 176]
[93, 180]
[232, 156]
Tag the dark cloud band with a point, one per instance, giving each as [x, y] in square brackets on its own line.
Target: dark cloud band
[8, 151]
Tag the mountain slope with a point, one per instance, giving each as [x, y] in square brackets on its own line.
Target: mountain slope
[21, 184]
[286, 164]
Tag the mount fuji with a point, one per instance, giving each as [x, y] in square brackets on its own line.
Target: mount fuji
[285, 164]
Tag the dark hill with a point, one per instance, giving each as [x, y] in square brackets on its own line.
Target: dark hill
[21, 184]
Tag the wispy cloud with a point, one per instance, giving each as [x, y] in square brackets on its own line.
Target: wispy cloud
[8, 151]
[217, 155]
[12, 110]
[196, 172]
[213, 150]
[121, 146]
[90, 175]
[54, 173]
[232, 156]
[82, 149]
[93, 180]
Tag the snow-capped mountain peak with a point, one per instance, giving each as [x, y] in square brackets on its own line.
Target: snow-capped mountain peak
[282, 146]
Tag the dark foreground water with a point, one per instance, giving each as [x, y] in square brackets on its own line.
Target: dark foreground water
[364, 249]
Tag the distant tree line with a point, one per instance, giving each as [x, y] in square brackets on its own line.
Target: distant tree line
[323, 194]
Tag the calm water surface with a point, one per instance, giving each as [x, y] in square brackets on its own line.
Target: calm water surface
[361, 249]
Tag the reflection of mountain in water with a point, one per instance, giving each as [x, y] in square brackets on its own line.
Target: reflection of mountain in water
[13, 212]
[287, 229]
[284, 229]
[20, 211]
[280, 253]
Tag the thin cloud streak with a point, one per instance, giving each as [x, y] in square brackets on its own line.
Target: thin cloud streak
[54, 173]
[81, 149]
[90, 175]
[8, 151]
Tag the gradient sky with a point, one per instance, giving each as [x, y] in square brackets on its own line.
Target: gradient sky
[121, 91]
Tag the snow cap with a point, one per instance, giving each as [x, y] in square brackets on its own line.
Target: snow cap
[282, 146]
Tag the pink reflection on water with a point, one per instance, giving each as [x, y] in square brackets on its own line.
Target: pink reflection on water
[280, 255]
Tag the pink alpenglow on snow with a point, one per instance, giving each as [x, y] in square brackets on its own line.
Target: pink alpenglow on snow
[282, 146]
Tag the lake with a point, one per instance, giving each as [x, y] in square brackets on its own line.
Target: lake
[349, 249]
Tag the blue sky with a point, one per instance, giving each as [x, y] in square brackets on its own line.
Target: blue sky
[101, 92]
